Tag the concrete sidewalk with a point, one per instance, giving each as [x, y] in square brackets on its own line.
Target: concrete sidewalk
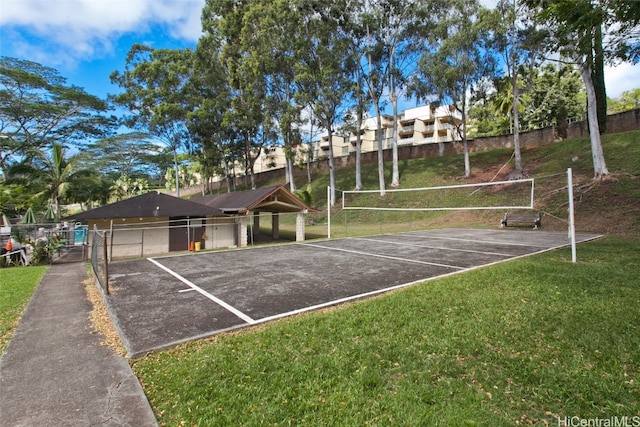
[55, 372]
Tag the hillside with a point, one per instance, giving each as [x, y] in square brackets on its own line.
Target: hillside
[610, 206]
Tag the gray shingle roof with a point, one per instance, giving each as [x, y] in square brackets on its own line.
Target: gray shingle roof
[152, 204]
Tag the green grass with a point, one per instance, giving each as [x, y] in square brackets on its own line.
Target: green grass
[526, 341]
[17, 285]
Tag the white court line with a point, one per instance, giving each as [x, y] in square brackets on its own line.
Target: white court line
[232, 309]
[384, 256]
[431, 247]
[480, 241]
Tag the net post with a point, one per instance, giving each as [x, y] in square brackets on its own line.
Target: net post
[533, 184]
[328, 212]
[572, 228]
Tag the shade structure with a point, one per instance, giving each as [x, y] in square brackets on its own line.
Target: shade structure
[29, 217]
[50, 214]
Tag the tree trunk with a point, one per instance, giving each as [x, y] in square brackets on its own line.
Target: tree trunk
[395, 174]
[332, 174]
[597, 74]
[465, 145]
[292, 184]
[175, 166]
[516, 123]
[359, 152]
[599, 165]
[310, 152]
[383, 191]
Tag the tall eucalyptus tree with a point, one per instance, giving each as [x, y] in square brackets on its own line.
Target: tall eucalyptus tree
[574, 28]
[399, 34]
[155, 82]
[246, 115]
[460, 58]
[374, 71]
[322, 68]
[515, 37]
[276, 26]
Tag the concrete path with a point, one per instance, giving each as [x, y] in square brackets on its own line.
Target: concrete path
[55, 372]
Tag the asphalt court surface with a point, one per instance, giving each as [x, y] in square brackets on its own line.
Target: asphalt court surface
[160, 302]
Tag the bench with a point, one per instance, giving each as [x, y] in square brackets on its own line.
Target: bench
[522, 219]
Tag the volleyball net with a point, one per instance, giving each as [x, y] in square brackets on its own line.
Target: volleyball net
[465, 205]
[499, 195]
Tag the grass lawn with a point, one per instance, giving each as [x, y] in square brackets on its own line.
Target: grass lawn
[17, 285]
[524, 342]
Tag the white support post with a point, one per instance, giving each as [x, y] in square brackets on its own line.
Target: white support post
[572, 228]
[300, 226]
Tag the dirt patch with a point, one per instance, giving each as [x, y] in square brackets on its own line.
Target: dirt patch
[606, 207]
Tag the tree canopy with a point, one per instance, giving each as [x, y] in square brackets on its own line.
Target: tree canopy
[38, 110]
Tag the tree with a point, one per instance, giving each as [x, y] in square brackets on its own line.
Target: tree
[50, 175]
[554, 97]
[374, 72]
[516, 38]
[573, 26]
[88, 192]
[213, 96]
[323, 69]
[392, 35]
[271, 38]
[246, 116]
[125, 154]
[459, 60]
[156, 82]
[38, 109]
[628, 100]
[126, 187]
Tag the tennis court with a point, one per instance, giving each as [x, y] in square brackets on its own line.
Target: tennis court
[161, 302]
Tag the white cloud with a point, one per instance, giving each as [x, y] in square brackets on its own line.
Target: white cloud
[68, 30]
[621, 78]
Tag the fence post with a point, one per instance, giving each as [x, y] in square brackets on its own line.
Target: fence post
[572, 228]
[106, 264]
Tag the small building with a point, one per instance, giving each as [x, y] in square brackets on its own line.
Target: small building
[156, 223]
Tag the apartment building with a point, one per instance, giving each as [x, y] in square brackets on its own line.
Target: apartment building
[415, 126]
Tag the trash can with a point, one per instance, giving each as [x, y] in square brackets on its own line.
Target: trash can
[198, 246]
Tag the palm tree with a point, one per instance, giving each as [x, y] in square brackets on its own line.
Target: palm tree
[504, 104]
[50, 174]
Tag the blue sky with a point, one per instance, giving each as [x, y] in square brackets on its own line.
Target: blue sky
[86, 40]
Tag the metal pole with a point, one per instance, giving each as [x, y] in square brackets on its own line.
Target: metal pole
[106, 265]
[328, 212]
[572, 228]
[110, 240]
